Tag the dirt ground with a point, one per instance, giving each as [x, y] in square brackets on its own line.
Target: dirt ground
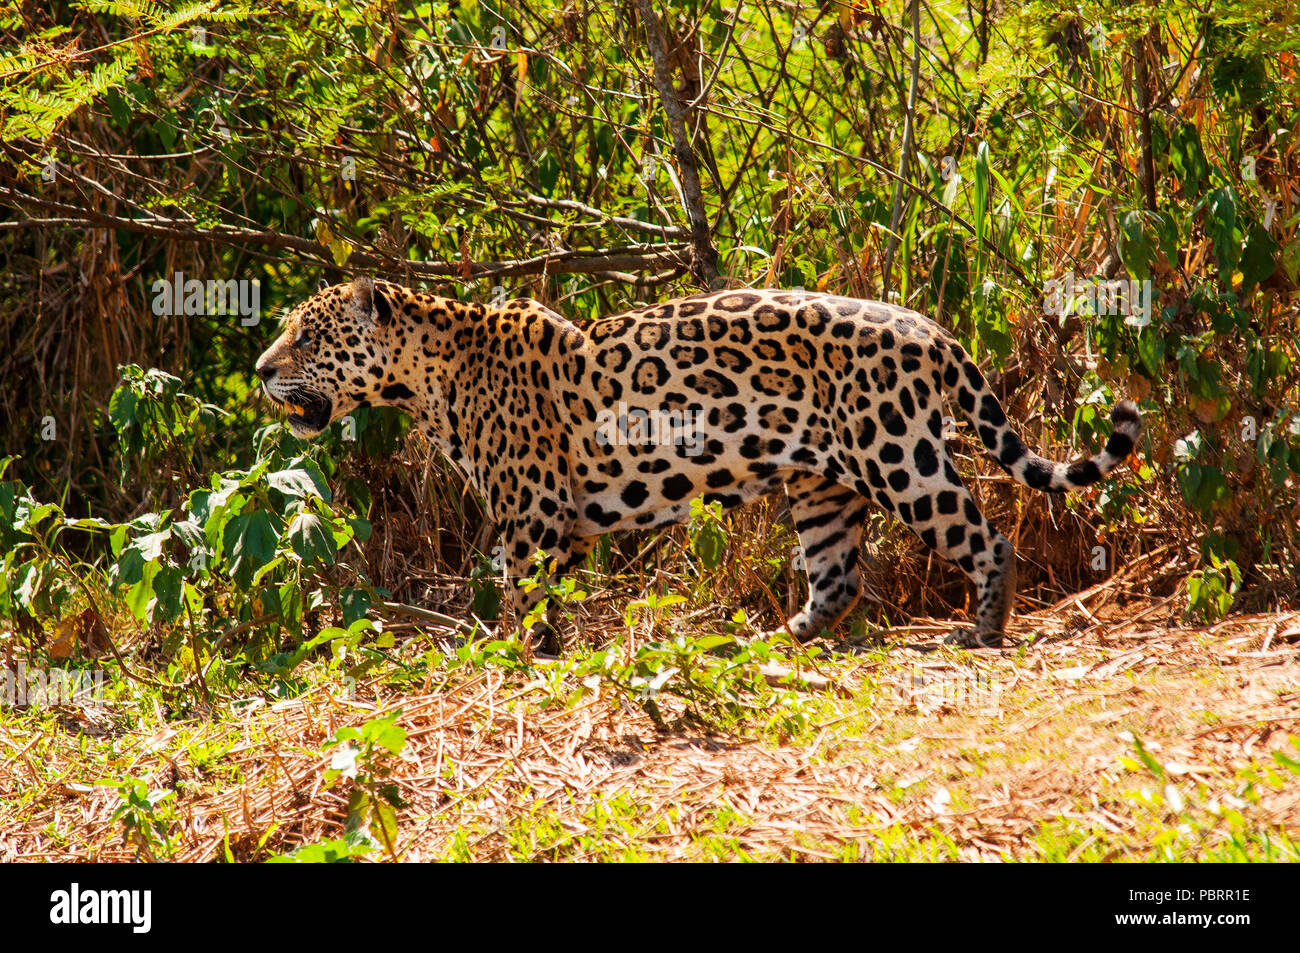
[1118, 733]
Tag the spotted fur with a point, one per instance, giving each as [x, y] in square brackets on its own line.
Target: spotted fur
[839, 401]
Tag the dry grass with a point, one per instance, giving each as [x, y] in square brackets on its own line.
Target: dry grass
[916, 752]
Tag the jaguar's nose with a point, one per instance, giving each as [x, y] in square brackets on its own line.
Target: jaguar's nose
[265, 371]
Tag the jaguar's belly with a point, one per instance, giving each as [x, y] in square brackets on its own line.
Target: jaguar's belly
[627, 504]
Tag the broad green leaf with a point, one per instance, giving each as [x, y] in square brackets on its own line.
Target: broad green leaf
[150, 545]
[1291, 259]
[1258, 257]
[140, 596]
[290, 594]
[392, 737]
[311, 539]
[249, 543]
[355, 603]
[166, 603]
[296, 483]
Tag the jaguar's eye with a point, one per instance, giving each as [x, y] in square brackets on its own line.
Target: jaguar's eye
[302, 340]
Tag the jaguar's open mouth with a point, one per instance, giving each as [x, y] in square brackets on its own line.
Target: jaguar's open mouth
[308, 414]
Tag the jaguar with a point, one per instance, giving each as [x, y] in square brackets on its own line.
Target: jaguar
[569, 431]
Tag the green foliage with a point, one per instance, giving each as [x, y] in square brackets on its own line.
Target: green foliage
[259, 549]
[475, 133]
[717, 677]
[1184, 816]
[342, 851]
[708, 533]
[1212, 589]
[486, 600]
[153, 417]
[651, 608]
[146, 816]
[363, 756]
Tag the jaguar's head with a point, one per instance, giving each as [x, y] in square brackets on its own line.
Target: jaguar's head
[332, 355]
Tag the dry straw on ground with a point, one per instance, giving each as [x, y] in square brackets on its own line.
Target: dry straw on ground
[987, 749]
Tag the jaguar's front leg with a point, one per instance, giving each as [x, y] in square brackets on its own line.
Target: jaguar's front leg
[524, 538]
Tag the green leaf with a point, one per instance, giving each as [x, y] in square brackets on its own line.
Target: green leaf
[1151, 763]
[216, 509]
[29, 514]
[299, 483]
[981, 201]
[392, 737]
[355, 603]
[189, 532]
[193, 599]
[360, 528]
[290, 594]
[1166, 234]
[87, 523]
[383, 824]
[119, 108]
[1151, 351]
[128, 569]
[1291, 259]
[311, 539]
[347, 733]
[28, 589]
[249, 543]
[1291, 764]
[1221, 226]
[1188, 159]
[140, 597]
[1258, 257]
[165, 605]
[1135, 246]
[709, 642]
[268, 567]
[121, 409]
[326, 852]
[150, 545]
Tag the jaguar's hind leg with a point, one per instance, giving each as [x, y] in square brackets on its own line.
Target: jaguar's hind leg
[941, 511]
[828, 518]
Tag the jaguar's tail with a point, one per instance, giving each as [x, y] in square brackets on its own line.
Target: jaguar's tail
[967, 388]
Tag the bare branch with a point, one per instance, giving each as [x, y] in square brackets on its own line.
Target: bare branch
[905, 153]
[705, 263]
[626, 258]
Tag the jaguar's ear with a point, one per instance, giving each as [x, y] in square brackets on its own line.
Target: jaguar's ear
[368, 298]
